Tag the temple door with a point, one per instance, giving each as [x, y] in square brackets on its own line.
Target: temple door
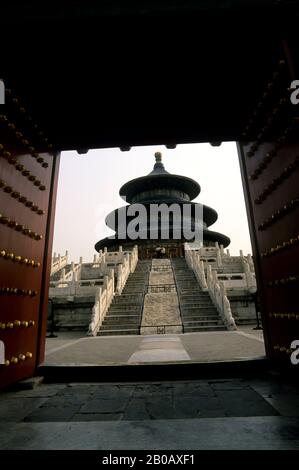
[270, 170]
[28, 183]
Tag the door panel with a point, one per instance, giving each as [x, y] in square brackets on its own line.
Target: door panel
[28, 180]
[270, 173]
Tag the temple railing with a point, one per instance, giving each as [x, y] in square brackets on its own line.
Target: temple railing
[124, 269]
[73, 274]
[58, 262]
[208, 281]
[219, 298]
[196, 264]
[102, 303]
[249, 274]
[105, 277]
[237, 272]
[73, 287]
[106, 293]
[238, 281]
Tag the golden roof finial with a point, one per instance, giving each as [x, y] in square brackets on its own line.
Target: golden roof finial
[158, 157]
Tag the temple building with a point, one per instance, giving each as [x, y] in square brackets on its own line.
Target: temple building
[181, 222]
[195, 286]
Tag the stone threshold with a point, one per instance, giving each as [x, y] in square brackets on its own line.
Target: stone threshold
[161, 371]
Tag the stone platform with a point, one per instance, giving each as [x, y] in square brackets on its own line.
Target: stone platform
[205, 347]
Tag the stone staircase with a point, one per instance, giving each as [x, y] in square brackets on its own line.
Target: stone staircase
[197, 309]
[124, 314]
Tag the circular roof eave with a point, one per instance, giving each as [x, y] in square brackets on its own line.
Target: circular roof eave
[208, 235]
[209, 215]
[182, 183]
[216, 236]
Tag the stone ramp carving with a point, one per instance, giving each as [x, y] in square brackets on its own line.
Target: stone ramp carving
[161, 312]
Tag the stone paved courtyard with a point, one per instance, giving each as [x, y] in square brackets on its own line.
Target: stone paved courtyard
[90, 402]
[260, 413]
[215, 346]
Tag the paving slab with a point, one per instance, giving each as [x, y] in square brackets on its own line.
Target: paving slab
[265, 433]
[48, 414]
[16, 408]
[244, 402]
[285, 404]
[106, 405]
[93, 350]
[204, 414]
[167, 349]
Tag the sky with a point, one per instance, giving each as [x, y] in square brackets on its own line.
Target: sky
[88, 189]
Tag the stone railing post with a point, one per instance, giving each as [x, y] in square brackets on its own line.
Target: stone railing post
[130, 257]
[222, 289]
[96, 315]
[218, 258]
[202, 270]
[210, 281]
[73, 284]
[250, 262]
[112, 279]
[120, 281]
[222, 250]
[191, 257]
[250, 279]
[226, 308]
[75, 275]
[133, 258]
[228, 314]
[102, 265]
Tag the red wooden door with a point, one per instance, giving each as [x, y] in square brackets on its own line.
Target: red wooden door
[28, 181]
[270, 171]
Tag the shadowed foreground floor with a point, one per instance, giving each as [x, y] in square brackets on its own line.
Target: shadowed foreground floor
[254, 413]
